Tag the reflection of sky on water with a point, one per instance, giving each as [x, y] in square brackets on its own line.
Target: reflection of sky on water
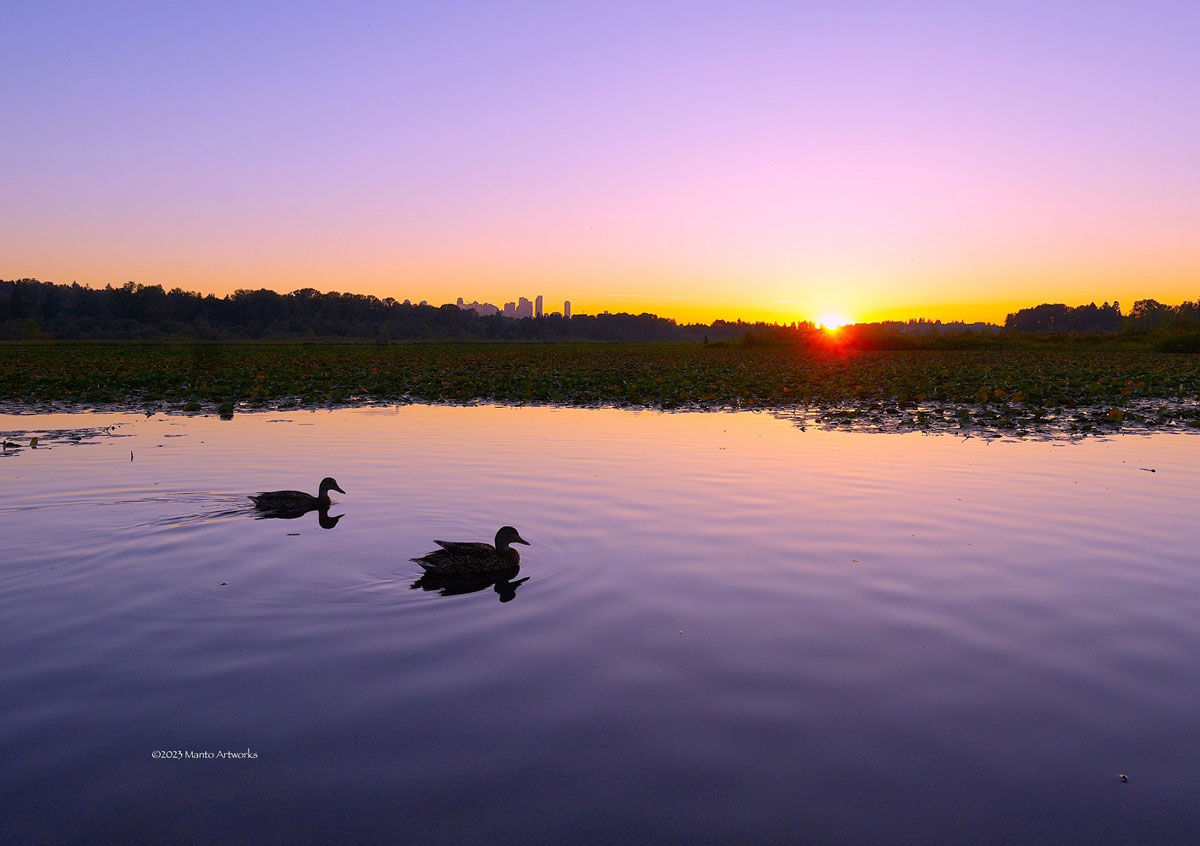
[771, 632]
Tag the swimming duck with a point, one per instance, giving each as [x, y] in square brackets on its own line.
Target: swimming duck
[473, 557]
[281, 500]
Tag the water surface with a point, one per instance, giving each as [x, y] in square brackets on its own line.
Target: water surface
[731, 631]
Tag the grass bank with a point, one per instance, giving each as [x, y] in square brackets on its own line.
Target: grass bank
[1011, 386]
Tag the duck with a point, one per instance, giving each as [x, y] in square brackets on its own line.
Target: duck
[291, 500]
[464, 557]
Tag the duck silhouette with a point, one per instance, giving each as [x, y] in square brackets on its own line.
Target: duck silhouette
[462, 557]
[283, 500]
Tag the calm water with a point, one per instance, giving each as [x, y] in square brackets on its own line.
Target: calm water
[732, 631]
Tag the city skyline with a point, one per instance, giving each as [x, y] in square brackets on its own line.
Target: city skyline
[522, 307]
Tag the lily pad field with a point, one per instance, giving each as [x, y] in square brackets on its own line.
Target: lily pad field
[1011, 391]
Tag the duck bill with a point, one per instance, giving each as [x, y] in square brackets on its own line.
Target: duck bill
[336, 488]
[520, 539]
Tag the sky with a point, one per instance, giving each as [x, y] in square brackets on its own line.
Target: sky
[699, 160]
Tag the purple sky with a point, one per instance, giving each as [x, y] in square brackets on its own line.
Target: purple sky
[696, 159]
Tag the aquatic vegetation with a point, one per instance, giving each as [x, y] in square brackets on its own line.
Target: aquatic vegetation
[1005, 390]
[13, 442]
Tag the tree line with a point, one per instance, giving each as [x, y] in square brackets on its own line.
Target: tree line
[1145, 316]
[31, 309]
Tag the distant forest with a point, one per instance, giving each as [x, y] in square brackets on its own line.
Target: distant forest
[1146, 315]
[30, 309]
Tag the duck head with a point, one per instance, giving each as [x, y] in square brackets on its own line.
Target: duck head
[508, 535]
[329, 484]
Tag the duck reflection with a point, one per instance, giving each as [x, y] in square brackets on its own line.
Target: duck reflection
[324, 519]
[504, 582]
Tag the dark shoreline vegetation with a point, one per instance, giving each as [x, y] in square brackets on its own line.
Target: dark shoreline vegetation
[35, 310]
[1051, 388]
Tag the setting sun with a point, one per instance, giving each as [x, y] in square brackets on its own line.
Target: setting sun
[832, 321]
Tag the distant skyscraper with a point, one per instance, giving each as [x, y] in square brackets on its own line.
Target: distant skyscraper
[523, 307]
[482, 309]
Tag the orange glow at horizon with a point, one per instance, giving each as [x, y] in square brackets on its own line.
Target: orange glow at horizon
[832, 322]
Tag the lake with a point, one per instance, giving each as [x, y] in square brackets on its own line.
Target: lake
[726, 629]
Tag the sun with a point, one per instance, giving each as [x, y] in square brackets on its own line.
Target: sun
[832, 321]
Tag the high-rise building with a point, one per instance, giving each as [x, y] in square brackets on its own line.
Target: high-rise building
[482, 309]
[523, 307]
